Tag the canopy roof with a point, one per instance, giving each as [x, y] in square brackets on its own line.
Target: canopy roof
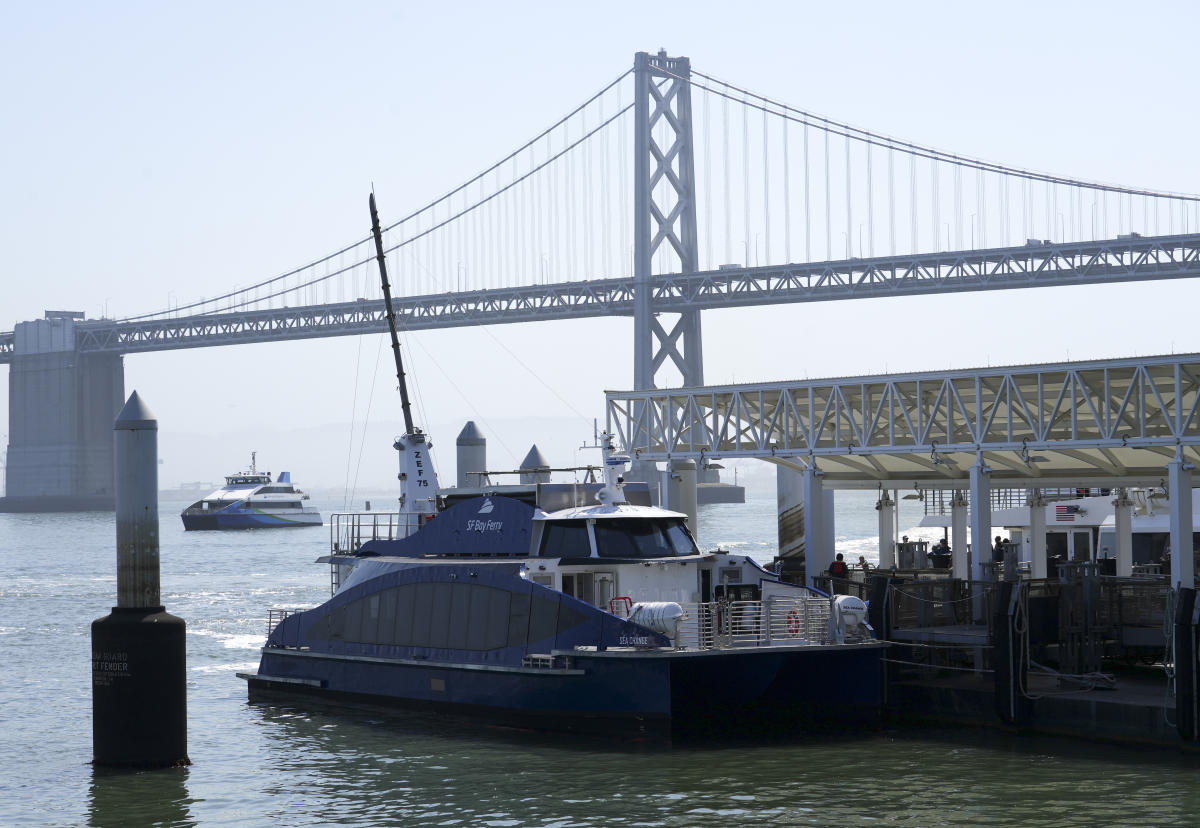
[1111, 421]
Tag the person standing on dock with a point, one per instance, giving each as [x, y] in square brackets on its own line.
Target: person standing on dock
[838, 572]
[998, 551]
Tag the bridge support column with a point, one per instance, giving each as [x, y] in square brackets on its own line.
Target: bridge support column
[1123, 523]
[1037, 535]
[1179, 479]
[61, 406]
[960, 555]
[887, 531]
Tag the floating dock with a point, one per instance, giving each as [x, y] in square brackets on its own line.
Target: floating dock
[1085, 655]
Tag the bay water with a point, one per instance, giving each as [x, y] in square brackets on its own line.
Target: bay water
[280, 765]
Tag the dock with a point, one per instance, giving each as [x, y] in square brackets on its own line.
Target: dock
[1085, 656]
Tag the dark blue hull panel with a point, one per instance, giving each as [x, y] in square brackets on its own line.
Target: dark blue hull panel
[719, 693]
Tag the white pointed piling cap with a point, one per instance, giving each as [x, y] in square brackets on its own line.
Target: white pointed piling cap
[535, 460]
[135, 415]
[470, 435]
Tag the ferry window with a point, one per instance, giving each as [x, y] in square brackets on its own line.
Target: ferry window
[370, 619]
[460, 615]
[639, 538]
[565, 539]
[404, 615]
[467, 616]
[351, 621]
[518, 618]
[579, 585]
[387, 617]
[550, 617]
[439, 621]
[422, 613]
[543, 618]
[682, 542]
[483, 618]
[497, 618]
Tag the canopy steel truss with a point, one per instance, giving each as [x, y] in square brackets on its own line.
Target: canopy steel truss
[1054, 424]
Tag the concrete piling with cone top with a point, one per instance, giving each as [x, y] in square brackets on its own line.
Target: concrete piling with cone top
[139, 701]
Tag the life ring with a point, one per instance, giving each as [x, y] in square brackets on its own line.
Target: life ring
[793, 623]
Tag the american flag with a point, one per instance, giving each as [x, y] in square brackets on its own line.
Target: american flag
[1065, 514]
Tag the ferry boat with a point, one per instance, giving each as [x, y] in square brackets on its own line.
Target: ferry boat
[565, 607]
[518, 606]
[251, 500]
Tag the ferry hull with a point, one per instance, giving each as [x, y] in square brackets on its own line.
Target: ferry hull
[633, 694]
[256, 520]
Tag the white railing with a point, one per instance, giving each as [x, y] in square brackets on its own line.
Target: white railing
[275, 617]
[350, 530]
[774, 622]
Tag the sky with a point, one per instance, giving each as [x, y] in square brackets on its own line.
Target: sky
[156, 153]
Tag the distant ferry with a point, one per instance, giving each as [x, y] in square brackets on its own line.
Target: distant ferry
[250, 500]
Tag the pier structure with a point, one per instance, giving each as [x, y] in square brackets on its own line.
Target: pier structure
[667, 193]
[971, 639]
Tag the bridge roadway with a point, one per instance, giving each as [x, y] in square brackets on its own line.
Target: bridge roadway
[1035, 264]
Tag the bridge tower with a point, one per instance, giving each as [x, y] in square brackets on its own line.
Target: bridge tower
[60, 414]
[664, 214]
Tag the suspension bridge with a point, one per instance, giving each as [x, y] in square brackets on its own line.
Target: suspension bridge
[666, 193]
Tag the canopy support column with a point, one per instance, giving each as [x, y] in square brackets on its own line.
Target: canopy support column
[958, 536]
[1179, 479]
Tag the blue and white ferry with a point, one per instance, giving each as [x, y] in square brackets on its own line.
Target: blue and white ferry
[251, 500]
[567, 607]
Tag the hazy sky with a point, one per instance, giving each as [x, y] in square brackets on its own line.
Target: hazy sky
[156, 153]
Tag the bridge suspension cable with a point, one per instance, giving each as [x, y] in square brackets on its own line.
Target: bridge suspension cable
[442, 213]
[783, 186]
[844, 192]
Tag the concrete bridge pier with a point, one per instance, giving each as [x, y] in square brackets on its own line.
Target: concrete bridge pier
[61, 406]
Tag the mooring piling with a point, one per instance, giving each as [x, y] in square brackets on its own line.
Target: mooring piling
[139, 701]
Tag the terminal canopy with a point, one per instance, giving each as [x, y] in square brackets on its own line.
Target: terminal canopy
[1114, 421]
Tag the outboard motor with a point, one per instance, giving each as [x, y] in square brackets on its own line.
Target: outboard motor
[848, 620]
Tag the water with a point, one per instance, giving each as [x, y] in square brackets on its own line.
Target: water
[264, 765]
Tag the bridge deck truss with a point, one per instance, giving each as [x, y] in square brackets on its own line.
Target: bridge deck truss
[1036, 265]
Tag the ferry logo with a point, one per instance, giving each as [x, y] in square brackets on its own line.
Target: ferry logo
[487, 507]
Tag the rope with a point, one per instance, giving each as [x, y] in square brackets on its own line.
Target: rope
[937, 667]
[1168, 662]
[938, 646]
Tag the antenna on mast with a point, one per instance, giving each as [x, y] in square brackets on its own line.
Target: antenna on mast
[391, 316]
[418, 480]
